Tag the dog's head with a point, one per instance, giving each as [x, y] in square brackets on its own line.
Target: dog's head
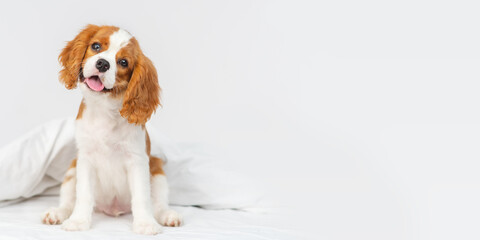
[107, 62]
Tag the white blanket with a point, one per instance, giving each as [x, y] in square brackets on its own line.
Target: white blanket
[39, 160]
[22, 221]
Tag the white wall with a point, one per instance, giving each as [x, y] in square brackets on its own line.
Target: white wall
[365, 111]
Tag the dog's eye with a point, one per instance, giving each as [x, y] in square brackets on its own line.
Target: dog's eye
[96, 47]
[123, 62]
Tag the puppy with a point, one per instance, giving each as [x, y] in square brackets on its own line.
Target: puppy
[114, 172]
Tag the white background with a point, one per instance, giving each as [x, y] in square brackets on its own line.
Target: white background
[364, 115]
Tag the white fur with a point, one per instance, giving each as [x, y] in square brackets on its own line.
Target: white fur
[112, 172]
[67, 199]
[112, 166]
[117, 40]
[162, 214]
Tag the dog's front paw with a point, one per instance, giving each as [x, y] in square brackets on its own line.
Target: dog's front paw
[76, 224]
[147, 227]
[169, 218]
[55, 216]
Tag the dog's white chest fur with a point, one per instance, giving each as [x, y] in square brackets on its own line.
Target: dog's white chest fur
[109, 143]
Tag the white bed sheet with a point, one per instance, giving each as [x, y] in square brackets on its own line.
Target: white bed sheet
[23, 221]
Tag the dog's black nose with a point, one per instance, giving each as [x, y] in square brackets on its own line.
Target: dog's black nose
[102, 65]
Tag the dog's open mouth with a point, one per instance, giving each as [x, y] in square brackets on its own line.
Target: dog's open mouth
[95, 84]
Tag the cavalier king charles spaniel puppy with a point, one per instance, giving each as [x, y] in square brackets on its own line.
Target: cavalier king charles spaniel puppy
[114, 172]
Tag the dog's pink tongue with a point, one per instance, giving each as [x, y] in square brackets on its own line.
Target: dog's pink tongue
[94, 83]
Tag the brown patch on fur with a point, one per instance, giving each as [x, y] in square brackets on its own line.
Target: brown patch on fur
[80, 110]
[72, 56]
[67, 178]
[147, 141]
[124, 74]
[102, 36]
[72, 165]
[156, 164]
[142, 95]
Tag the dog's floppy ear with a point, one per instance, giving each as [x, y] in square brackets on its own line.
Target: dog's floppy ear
[72, 55]
[142, 96]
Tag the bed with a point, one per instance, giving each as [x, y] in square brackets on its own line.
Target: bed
[32, 167]
[22, 221]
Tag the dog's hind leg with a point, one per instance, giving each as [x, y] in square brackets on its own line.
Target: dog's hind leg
[56, 215]
[158, 181]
